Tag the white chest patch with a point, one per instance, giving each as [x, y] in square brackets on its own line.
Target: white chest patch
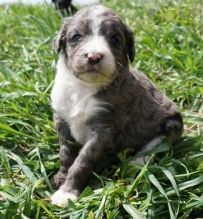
[74, 101]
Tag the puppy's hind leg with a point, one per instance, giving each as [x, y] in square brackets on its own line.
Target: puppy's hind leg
[172, 127]
[148, 147]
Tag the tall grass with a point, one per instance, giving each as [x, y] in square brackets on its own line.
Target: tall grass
[169, 49]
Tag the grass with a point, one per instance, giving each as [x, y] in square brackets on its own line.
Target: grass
[168, 42]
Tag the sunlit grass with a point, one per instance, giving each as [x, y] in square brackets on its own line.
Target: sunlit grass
[169, 49]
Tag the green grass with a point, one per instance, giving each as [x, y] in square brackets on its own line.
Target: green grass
[169, 49]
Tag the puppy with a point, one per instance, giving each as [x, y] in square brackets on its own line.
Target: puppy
[64, 5]
[99, 101]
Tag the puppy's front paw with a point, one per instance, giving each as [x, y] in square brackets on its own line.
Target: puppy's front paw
[60, 198]
[58, 179]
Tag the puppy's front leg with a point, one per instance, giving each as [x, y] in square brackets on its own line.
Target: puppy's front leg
[68, 152]
[81, 170]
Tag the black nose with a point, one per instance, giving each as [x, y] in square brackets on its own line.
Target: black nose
[94, 58]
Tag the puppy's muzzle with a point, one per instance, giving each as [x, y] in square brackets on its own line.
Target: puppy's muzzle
[94, 58]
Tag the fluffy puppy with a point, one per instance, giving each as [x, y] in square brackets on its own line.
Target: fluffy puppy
[99, 101]
[64, 5]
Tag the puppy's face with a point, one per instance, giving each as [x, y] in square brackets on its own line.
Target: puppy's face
[96, 45]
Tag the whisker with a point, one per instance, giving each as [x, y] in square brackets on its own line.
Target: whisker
[118, 63]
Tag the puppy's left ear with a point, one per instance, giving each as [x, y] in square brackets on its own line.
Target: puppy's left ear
[60, 40]
[130, 43]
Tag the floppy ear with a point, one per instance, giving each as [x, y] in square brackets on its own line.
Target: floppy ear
[130, 43]
[60, 39]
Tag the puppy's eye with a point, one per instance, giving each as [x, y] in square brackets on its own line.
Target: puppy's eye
[75, 38]
[115, 39]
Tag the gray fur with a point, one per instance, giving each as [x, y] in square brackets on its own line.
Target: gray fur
[68, 152]
[137, 111]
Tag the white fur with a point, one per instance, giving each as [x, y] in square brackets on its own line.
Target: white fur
[105, 69]
[149, 146]
[60, 198]
[152, 144]
[73, 100]
[97, 10]
[98, 44]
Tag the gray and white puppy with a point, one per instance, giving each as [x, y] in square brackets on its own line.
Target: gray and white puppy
[99, 101]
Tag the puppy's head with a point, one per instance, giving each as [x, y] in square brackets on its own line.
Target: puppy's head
[96, 44]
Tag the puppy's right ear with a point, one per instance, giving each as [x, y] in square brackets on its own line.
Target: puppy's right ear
[60, 39]
[130, 43]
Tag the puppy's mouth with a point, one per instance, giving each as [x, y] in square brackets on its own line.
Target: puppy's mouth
[93, 70]
[93, 76]
[98, 74]
[91, 73]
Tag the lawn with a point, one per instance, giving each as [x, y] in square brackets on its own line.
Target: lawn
[169, 49]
